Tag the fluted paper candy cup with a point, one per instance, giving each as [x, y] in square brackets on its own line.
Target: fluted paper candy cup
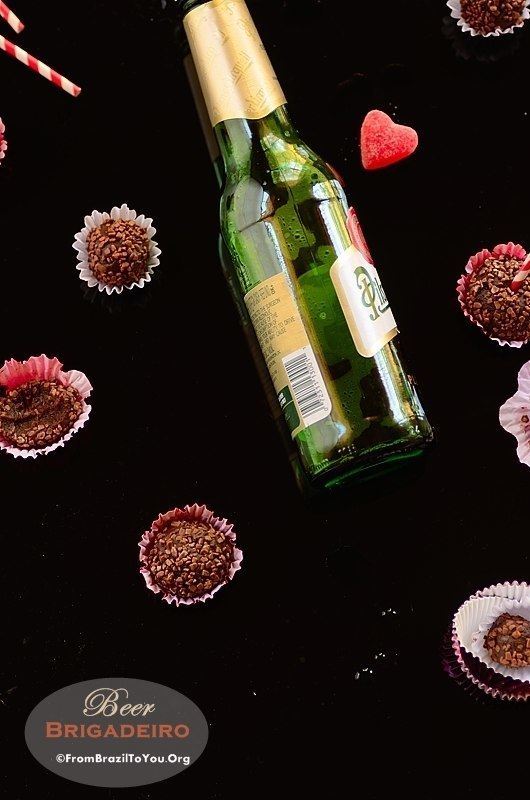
[474, 264]
[456, 13]
[470, 626]
[96, 219]
[190, 514]
[515, 415]
[41, 368]
[3, 143]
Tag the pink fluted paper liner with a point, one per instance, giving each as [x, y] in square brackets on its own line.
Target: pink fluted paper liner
[200, 514]
[96, 219]
[469, 626]
[515, 415]
[475, 263]
[456, 13]
[16, 373]
[3, 143]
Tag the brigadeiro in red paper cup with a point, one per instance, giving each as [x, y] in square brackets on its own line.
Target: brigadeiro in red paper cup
[515, 415]
[41, 406]
[494, 293]
[488, 17]
[3, 143]
[188, 555]
[491, 640]
[116, 251]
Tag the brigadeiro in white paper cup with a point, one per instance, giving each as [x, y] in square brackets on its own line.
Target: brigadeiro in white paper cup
[487, 300]
[483, 640]
[188, 555]
[117, 251]
[3, 143]
[515, 415]
[41, 406]
[477, 18]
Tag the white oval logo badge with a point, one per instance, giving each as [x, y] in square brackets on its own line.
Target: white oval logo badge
[116, 732]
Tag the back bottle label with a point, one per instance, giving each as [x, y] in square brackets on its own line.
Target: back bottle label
[363, 301]
[288, 353]
[236, 76]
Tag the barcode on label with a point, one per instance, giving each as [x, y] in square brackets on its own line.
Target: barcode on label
[307, 385]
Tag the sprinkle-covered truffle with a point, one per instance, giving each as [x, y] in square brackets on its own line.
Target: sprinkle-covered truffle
[38, 413]
[508, 641]
[189, 558]
[487, 16]
[118, 252]
[491, 302]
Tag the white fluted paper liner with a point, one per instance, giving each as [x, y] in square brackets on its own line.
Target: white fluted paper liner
[474, 619]
[456, 13]
[200, 514]
[515, 415]
[3, 143]
[16, 373]
[96, 219]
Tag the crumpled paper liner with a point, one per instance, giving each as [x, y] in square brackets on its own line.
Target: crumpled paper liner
[470, 624]
[475, 263]
[515, 415]
[3, 143]
[456, 13]
[15, 373]
[194, 512]
[98, 218]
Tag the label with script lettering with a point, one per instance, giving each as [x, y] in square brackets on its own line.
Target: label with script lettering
[363, 301]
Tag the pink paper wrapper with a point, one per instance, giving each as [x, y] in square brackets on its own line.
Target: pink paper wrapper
[475, 263]
[3, 143]
[197, 513]
[16, 373]
[515, 415]
[476, 671]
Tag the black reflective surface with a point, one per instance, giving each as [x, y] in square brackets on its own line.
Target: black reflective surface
[324, 658]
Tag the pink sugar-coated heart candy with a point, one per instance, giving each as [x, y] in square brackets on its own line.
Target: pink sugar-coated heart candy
[383, 142]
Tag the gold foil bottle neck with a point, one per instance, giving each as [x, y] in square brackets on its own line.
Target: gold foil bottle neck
[236, 75]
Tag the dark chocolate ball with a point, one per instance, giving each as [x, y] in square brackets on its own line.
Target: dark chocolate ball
[508, 641]
[503, 313]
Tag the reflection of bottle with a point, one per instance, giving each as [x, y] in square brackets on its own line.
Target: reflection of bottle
[321, 316]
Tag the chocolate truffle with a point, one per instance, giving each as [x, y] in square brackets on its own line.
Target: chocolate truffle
[118, 252]
[508, 641]
[503, 313]
[487, 16]
[189, 558]
[38, 413]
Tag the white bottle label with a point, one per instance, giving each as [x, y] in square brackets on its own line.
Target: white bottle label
[363, 301]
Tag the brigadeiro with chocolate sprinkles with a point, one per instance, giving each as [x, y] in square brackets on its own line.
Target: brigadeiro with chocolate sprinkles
[116, 251]
[489, 17]
[494, 293]
[188, 555]
[41, 406]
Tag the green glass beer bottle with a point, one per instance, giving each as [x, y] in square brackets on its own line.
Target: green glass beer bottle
[319, 311]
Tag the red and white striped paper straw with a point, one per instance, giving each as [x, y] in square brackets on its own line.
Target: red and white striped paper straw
[37, 66]
[11, 18]
[521, 276]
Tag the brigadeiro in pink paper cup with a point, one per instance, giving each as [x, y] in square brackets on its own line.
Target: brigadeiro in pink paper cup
[41, 406]
[3, 143]
[116, 251]
[487, 18]
[188, 555]
[491, 640]
[494, 293]
[515, 415]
